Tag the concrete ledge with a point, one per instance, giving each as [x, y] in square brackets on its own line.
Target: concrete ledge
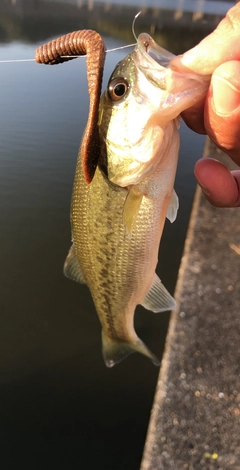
[195, 420]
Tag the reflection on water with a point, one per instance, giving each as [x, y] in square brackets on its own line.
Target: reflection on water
[60, 407]
[33, 20]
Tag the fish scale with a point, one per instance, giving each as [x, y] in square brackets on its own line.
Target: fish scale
[115, 265]
[117, 219]
[102, 243]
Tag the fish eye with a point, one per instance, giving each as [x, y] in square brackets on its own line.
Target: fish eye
[117, 89]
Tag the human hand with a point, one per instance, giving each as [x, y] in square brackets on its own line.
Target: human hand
[218, 114]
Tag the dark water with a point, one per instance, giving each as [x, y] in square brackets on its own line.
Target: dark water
[59, 405]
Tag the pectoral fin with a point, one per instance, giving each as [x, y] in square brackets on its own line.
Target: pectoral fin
[72, 268]
[173, 207]
[158, 298]
[131, 209]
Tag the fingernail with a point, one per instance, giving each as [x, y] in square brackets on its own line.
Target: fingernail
[188, 57]
[204, 189]
[225, 96]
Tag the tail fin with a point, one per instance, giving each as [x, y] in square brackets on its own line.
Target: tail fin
[115, 351]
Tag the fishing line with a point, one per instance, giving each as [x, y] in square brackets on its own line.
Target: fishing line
[64, 56]
[108, 50]
[16, 60]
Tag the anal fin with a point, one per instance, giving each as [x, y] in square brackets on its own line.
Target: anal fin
[71, 267]
[158, 298]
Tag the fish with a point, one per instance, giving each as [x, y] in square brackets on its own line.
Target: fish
[117, 220]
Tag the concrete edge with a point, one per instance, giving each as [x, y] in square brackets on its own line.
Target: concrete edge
[160, 393]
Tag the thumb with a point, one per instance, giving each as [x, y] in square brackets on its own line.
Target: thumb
[222, 109]
[219, 47]
[220, 186]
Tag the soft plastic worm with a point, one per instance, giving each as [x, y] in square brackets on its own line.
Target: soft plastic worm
[80, 43]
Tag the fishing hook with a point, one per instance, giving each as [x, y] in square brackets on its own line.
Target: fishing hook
[133, 24]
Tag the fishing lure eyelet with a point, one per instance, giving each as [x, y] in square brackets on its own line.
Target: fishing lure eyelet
[117, 89]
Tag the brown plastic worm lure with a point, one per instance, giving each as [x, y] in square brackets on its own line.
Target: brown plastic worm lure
[80, 43]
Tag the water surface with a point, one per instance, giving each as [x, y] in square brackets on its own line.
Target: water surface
[60, 407]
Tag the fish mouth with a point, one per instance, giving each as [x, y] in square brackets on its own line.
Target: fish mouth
[152, 52]
[152, 60]
[181, 89]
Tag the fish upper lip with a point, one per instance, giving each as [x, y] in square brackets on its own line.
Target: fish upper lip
[155, 63]
[152, 52]
[152, 60]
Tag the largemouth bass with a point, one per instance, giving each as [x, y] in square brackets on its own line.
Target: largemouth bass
[117, 219]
